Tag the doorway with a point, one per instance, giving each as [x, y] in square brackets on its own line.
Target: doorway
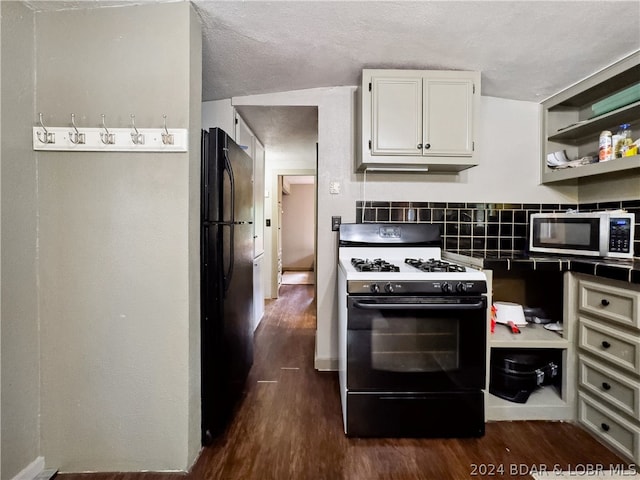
[289, 248]
[297, 229]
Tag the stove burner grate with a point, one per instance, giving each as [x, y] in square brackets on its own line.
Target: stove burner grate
[377, 265]
[433, 265]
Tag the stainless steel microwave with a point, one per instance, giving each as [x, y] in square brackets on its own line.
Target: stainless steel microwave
[596, 234]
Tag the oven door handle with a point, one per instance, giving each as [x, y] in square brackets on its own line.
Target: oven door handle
[419, 306]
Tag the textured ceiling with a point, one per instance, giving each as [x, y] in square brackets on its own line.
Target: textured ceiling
[526, 50]
[280, 126]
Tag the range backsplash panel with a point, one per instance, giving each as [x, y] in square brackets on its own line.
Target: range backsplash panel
[489, 229]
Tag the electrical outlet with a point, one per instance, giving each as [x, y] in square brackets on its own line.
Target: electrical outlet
[335, 223]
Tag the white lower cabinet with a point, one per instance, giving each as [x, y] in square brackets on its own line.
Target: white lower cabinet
[618, 389]
[609, 362]
[610, 427]
[554, 400]
[258, 291]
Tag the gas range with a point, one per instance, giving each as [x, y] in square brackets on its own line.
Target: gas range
[406, 270]
[412, 334]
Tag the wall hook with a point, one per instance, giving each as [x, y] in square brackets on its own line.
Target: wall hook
[76, 137]
[106, 137]
[167, 138]
[45, 136]
[136, 137]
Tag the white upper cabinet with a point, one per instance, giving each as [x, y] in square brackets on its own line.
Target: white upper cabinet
[250, 143]
[258, 198]
[244, 136]
[421, 120]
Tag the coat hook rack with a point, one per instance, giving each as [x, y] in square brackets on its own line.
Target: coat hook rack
[106, 137]
[45, 136]
[130, 138]
[76, 137]
[136, 137]
[167, 138]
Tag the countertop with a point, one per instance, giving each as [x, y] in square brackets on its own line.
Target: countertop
[624, 270]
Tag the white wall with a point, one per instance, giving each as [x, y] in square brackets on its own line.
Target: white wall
[614, 187]
[20, 361]
[509, 147]
[298, 227]
[194, 413]
[0, 239]
[118, 242]
[219, 113]
[509, 169]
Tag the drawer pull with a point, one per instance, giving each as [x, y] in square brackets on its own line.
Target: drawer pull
[604, 302]
[606, 386]
[605, 427]
[605, 344]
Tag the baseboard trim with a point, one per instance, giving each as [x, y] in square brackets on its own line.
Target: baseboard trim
[31, 471]
[326, 364]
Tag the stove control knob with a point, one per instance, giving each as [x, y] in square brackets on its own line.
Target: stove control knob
[374, 288]
[461, 287]
[388, 288]
[446, 287]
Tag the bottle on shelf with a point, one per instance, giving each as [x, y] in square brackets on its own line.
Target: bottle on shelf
[622, 140]
[605, 146]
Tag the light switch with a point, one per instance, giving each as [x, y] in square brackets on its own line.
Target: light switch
[334, 188]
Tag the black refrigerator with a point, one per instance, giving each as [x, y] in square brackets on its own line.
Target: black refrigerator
[226, 259]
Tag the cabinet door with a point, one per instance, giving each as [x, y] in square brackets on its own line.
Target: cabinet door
[448, 117]
[258, 291]
[396, 114]
[258, 199]
[244, 136]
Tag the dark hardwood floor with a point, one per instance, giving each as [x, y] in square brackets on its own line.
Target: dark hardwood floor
[289, 426]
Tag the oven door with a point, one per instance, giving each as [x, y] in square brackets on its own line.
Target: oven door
[416, 344]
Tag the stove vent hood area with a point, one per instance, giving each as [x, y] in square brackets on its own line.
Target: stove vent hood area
[417, 120]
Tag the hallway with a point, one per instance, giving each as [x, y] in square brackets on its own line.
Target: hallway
[296, 277]
[289, 426]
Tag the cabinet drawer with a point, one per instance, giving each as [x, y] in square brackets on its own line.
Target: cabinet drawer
[617, 304]
[615, 388]
[616, 346]
[613, 429]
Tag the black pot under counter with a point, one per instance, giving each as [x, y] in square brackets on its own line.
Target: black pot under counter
[623, 270]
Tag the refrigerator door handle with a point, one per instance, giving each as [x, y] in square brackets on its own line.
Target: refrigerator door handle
[205, 174]
[229, 170]
[229, 273]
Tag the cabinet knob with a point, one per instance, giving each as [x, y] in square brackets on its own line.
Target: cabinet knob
[605, 344]
[606, 386]
[427, 146]
[419, 146]
[605, 427]
[604, 302]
